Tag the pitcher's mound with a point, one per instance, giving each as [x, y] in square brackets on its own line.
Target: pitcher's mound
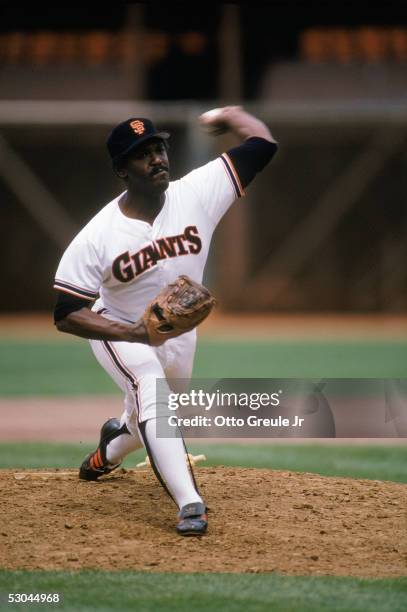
[259, 521]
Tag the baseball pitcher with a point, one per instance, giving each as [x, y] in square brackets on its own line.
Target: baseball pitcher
[130, 282]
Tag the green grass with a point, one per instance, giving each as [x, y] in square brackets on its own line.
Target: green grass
[305, 359]
[51, 368]
[373, 462]
[143, 592]
[69, 368]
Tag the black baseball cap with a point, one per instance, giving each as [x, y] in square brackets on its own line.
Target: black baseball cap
[128, 135]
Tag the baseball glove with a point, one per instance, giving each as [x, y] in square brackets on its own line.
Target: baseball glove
[177, 309]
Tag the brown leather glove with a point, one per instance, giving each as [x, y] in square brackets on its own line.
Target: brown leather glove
[177, 309]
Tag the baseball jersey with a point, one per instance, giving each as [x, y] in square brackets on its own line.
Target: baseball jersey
[123, 263]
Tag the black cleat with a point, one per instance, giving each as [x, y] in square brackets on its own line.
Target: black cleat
[95, 464]
[193, 520]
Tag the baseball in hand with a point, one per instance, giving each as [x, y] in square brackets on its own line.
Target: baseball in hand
[210, 115]
[211, 122]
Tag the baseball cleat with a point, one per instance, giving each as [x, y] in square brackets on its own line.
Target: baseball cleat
[193, 520]
[95, 464]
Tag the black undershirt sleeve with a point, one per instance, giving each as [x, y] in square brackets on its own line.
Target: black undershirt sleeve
[251, 157]
[67, 303]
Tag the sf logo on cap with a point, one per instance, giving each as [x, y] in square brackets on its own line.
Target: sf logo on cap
[138, 127]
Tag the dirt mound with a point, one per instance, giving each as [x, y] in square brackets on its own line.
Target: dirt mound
[260, 521]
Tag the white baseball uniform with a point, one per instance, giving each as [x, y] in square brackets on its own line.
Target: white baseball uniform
[127, 262]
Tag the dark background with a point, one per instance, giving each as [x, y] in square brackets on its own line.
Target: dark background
[359, 267]
[270, 32]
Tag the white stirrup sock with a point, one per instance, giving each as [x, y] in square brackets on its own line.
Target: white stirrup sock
[169, 457]
[120, 447]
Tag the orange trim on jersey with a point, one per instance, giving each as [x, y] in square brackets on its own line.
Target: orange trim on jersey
[75, 289]
[231, 167]
[62, 282]
[64, 290]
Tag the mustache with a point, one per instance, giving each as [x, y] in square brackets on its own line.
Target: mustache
[157, 169]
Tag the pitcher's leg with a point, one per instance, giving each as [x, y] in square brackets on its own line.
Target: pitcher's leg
[122, 446]
[170, 461]
[144, 406]
[127, 442]
[136, 369]
[116, 439]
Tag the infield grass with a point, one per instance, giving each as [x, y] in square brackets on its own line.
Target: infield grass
[69, 368]
[372, 462]
[145, 592]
